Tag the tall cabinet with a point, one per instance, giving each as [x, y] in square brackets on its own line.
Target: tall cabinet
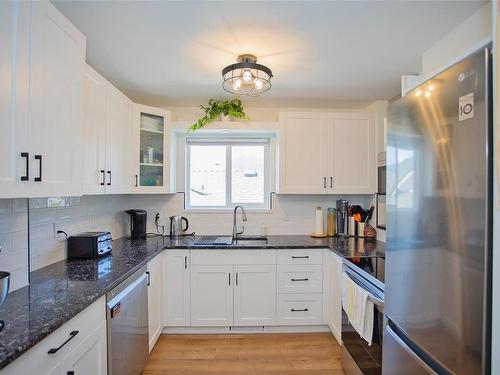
[150, 166]
[41, 101]
[107, 135]
[327, 153]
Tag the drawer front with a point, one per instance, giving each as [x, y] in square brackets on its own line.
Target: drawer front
[300, 256]
[38, 361]
[300, 278]
[299, 309]
[231, 257]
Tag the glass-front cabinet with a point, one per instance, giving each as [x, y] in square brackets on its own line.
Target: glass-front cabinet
[152, 167]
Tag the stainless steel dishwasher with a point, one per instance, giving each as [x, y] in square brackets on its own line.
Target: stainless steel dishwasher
[127, 317]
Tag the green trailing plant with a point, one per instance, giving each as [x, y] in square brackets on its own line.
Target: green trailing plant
[215, 108]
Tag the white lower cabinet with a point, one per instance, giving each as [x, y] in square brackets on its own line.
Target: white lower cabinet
[83, 354]
[299, 309]
[335, 319]
[90, 356]
[255, 295]
[212, 295]
[155, 305]
[177, 291]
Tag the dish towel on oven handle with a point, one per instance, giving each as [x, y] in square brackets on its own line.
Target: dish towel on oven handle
[358, 307]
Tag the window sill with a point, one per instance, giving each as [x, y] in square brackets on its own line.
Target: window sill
[225, 210]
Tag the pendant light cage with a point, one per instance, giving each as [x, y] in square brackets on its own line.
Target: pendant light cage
[246, 77]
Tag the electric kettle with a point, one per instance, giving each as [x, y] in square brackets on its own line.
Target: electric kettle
[176, 228]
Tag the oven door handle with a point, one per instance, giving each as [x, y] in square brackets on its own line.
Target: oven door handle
[377, 301]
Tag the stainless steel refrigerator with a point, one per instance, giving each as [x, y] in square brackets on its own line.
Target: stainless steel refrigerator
[439, 228]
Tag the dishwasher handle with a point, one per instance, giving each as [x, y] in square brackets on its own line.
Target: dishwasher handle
[114, 305]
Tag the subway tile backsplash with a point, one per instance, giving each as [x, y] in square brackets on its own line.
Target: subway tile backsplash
[14, 240]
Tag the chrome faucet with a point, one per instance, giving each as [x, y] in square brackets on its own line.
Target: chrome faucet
[235, 227]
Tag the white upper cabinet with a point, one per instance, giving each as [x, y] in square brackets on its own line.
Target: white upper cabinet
[151, 162]
[107, 137]
[94, 133]
[41, 101]
[14, 90]
[326, 153]
[55, 104]
[353, 164]
[118, 177]
[302, 149]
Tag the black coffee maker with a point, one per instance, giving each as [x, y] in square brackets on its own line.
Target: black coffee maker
[138, 220]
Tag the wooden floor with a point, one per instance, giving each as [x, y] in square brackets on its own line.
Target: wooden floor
[255, 354]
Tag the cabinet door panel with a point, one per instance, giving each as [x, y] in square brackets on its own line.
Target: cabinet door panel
[151, 162]
[118, 142]
[302, 150]
[14, 60]
[255, 295]
[155, 294]
[177, 304]
[90, 357]
[56, 100]
[353, 161]
[212, 296]
[94, 133]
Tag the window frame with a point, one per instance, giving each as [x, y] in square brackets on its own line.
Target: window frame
[229, 143]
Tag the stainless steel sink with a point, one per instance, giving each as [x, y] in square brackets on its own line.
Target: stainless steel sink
[251, 241]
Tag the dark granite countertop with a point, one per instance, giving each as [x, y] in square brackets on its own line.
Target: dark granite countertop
[61, 290]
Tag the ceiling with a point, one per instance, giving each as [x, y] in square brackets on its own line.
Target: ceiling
[171, 53]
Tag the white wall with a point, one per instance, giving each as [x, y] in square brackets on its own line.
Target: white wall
[459, 42]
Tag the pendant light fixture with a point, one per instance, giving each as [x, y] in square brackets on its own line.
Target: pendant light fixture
[246, 77]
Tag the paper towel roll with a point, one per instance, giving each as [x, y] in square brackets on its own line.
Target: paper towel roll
[319, 221]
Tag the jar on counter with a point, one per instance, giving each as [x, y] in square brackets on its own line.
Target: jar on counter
[331, 218]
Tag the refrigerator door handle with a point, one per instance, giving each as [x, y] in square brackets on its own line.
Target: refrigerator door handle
[409, 350]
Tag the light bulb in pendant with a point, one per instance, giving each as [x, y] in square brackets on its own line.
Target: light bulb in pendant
[258, 84]
[247, 75]
[237, 85]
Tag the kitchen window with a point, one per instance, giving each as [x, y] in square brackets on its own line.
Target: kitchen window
[224, 174]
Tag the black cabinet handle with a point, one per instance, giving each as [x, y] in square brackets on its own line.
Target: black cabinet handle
[70, 373]
[72, 335]
[298, 310]
[236, 278]
[103, 177]
[331, 182]
[324, 182]
[229, 278]
[300, 279]
[301, 257]
[26, 155]
[39, 178]
[149, 278]
[136, 180]
[185, 262]
[109, 173]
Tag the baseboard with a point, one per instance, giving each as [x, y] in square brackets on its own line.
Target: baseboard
[245, 330]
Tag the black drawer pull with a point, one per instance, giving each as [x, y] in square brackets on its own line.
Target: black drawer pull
[301, 257]
[298, 310]
[305, 279]
[26, 155]
[72, 334]
[39, 178]
[70, 373]
[102, 177]
[109, 173]
[148, 274]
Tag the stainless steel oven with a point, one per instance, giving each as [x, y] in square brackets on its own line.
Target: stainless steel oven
[357, 356]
